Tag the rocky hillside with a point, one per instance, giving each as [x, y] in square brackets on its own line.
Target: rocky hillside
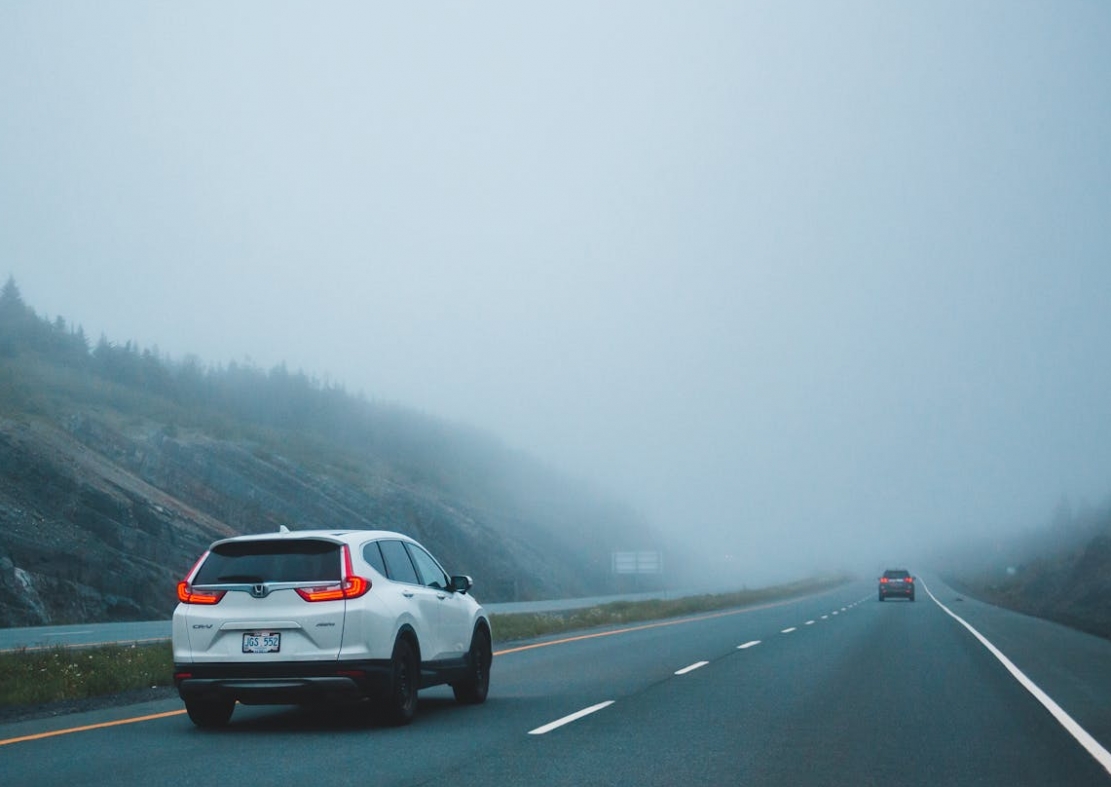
[118, 468]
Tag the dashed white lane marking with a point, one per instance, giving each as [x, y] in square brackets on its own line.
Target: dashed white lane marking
[691, 668]
[1082, 736]
[568, 719]
[834, 612]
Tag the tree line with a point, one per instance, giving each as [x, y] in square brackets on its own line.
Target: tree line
[228, 399]
[240, 391]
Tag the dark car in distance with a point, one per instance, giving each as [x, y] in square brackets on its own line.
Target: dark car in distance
[896, 582]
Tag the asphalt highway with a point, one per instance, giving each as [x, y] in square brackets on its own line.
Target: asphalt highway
[835, 689]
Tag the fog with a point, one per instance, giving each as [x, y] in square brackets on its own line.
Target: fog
[810, 284]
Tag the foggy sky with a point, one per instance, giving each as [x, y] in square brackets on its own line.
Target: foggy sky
[808, 281]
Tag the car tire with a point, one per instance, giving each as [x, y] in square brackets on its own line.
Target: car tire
[400, 703]
[881, 597]
[912, 598]
[473, 690]
[209, 714]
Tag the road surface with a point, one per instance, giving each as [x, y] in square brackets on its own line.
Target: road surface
[834, 689]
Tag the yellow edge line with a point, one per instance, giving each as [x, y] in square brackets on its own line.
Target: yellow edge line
[507, 651]
[86, 728]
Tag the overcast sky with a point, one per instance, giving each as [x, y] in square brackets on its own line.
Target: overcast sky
[802, 278]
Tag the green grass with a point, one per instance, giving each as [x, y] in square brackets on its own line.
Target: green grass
[32, 677]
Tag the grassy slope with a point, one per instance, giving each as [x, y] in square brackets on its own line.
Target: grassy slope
[1061, 573]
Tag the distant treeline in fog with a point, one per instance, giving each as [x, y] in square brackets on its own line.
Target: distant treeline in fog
[240, 400]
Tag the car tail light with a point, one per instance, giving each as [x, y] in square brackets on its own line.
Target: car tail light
[187, 595]
[910, 579]
[883, 580]
[351, 586]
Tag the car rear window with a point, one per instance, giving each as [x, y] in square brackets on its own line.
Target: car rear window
[271, 561]
[896, 574]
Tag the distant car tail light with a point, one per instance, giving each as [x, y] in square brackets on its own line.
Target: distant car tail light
[883, 580]
[910, 579]
[351, 586]
[186, 594]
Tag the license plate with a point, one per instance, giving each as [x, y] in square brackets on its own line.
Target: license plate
[262, 642]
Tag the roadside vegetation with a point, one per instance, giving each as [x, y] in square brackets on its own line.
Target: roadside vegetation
[1060, 571]
[40, 676]
[33, 677]
[529, 625]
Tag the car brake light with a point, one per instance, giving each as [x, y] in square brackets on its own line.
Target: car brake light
[351, 586]
[883, 580]
[910, 579]
[187, 595]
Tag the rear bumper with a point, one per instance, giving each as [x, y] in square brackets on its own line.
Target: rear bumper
[904, 592]
[290, 683]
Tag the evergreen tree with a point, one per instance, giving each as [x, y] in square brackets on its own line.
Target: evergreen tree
[10, 294]
[16, 319]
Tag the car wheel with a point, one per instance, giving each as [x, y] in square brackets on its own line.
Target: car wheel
[209, 713]
[400, 703]
[912, 598]
[473, 690]
[881, 596]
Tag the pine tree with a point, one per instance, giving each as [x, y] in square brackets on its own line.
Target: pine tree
[16, 319]
[11, 300]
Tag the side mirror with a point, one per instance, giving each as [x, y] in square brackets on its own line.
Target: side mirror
[461, 583]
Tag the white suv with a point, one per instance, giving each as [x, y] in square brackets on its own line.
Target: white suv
[321, 616]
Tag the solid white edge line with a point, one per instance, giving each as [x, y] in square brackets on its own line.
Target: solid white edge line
[568, 719]
[692, 667]
[748, 645]
[1082, 736]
